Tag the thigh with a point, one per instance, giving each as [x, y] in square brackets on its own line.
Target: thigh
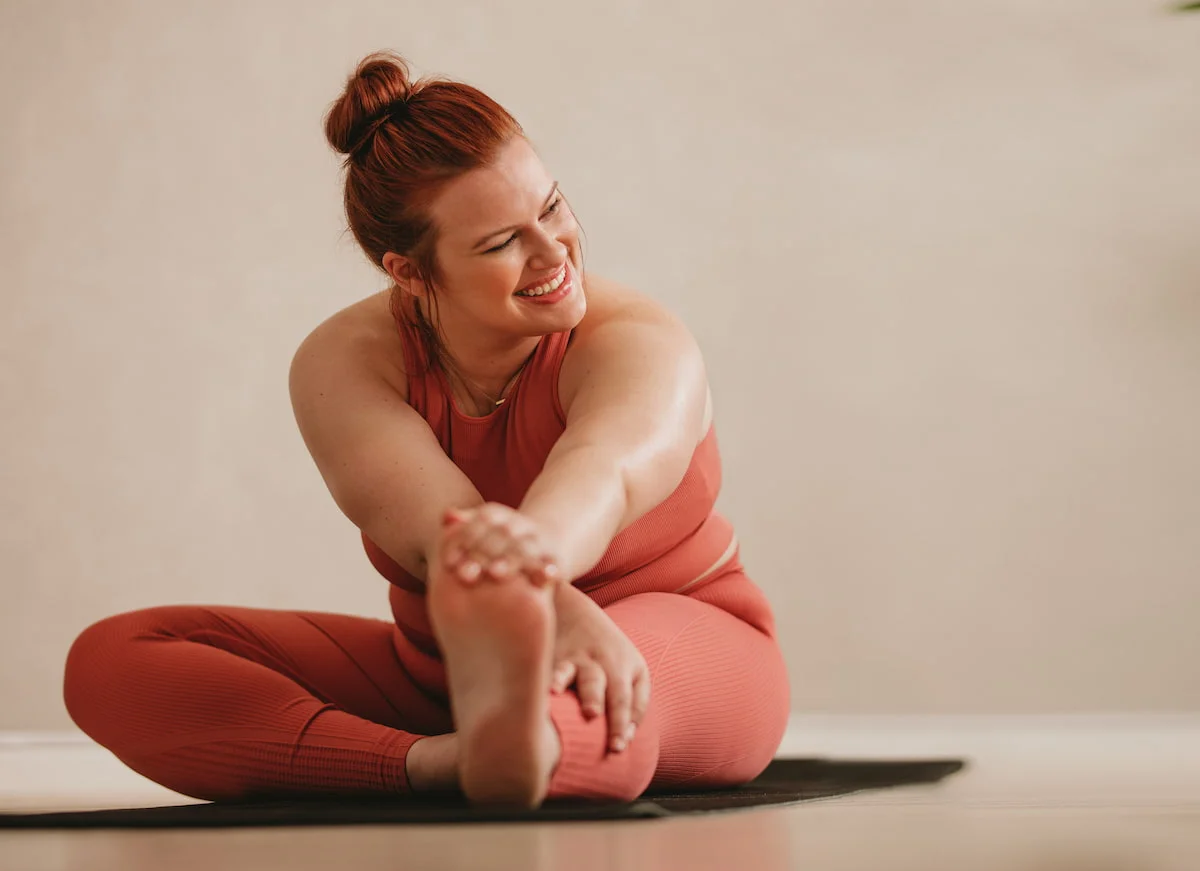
[719, 696]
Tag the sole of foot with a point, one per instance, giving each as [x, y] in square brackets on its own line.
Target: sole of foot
[497, 639]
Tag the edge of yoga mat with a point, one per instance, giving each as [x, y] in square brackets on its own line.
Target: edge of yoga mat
[785, 782]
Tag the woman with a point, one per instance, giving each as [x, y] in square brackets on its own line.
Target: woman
[528, 452]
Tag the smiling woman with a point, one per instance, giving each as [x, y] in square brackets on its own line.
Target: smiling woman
[528, 452]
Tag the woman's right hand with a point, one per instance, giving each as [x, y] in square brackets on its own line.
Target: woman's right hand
[495, 541]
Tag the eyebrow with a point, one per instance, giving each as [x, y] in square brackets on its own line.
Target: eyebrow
[545, 203]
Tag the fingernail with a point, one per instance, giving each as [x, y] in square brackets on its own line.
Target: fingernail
[629, 731]
[469, 571]
[499, 568]
[618, 744]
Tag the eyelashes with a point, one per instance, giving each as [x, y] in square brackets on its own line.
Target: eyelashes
[550, 211]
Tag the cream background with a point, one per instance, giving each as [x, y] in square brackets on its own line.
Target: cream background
[942, 257]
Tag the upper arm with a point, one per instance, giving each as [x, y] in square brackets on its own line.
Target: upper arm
[635, 391]
[378, 457]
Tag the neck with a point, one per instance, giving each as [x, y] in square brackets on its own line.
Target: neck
[489, 374]
[486, 361]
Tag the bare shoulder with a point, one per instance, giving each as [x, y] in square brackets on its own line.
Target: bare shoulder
[359, 341]
[611, 301]
[627, 330]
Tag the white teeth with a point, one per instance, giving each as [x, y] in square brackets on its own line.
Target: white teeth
[543, 289]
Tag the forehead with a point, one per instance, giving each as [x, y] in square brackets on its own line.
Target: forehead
[502, 193]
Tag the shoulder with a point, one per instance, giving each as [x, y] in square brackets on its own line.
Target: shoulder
[359, 342]
[622, 327]
[611, 302]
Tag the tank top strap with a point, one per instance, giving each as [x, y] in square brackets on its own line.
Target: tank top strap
[540, 379]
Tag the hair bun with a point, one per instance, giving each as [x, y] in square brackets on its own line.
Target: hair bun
[379, 82]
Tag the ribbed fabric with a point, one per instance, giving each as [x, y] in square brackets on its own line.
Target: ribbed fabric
[503, 452]
[233, 703]
[719, 699]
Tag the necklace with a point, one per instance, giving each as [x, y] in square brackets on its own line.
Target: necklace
[497, 402]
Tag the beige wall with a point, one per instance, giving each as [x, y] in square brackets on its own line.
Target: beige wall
[943, 259]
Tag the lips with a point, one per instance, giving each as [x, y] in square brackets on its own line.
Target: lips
[565, 288]
[543, 281]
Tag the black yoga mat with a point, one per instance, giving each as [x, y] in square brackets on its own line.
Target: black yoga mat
[785, 781]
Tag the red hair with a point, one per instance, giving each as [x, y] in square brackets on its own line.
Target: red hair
[403, 142]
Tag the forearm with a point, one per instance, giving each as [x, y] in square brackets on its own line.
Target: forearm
[581, 500]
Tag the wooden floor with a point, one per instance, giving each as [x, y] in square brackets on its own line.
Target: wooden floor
[1110, 799]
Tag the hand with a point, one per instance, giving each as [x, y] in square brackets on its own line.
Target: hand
[496, 541]
[608, 671]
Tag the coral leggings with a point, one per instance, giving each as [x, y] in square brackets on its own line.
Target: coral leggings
[225, 703]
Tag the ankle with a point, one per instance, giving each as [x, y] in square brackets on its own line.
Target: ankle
[553, 744]
[432, 764]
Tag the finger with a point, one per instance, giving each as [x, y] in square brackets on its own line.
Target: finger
[466, 533]
[452, 554]
[540, 571]
[640, 703]
[456, 543]
[499, 553]
[589, 684]
[563, 675]
[460, 555]
[619, 697]
[499, 568]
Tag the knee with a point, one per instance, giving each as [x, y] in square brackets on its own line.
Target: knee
[92, 665]
[587, 769]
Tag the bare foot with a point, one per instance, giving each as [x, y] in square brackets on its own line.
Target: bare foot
[497, 639]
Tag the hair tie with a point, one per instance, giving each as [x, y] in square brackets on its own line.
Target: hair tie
[392, 112]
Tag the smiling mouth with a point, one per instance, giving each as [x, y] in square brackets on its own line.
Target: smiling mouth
[547, 287]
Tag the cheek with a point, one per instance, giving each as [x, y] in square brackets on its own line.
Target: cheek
[503, 276]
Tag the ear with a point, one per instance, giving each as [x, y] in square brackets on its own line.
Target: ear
[404, 272]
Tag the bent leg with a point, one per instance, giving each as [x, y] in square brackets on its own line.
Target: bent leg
[232, 703]
[719, 702]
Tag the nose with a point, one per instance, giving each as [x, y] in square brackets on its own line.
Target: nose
[548, 251]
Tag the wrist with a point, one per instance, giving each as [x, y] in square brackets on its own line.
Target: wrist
[571, 601]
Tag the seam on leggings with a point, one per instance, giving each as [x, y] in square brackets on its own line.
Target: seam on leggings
[279, 665]
[304, 727]
[387, 700]
[710, 770]
[221, 735]
[666, 648]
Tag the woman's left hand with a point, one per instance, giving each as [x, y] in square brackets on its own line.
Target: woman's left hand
[609, 672]
[496, 541]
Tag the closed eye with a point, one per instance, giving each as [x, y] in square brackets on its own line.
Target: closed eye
[550, 211]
